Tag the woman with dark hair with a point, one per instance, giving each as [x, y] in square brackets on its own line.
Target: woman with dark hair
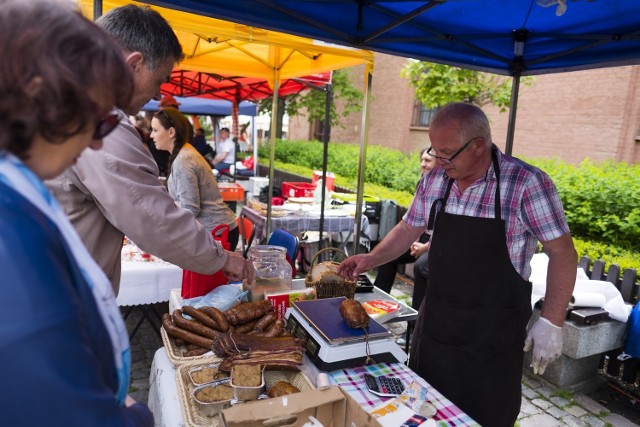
[64, 349]
[191, 182]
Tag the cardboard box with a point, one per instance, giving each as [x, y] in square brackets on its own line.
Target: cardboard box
[331, 406]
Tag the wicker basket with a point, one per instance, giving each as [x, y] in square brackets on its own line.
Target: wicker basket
[333, 288]
[176, 353]
[191, 414]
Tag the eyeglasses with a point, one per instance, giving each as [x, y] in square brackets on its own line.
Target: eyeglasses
[449, 159]
[106, 124]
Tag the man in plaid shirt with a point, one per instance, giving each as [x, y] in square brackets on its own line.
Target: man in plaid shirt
[487, 211]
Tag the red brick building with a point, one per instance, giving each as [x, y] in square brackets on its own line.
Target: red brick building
[572, 116]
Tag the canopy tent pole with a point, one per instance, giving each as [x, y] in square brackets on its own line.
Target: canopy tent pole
[272, 143]
[363, 155]
[326, 136]
[235, 126]
[254, 142]
[511, 128]
[97, 9]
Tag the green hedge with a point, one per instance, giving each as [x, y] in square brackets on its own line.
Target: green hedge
[610, 254]
[385, 167]
[601, 201]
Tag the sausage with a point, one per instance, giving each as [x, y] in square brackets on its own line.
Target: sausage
[196, 352]
[245, 312]
[265, 321]
[275, 329]
[200, 316]
[176, 332]
[193, 326]
[218, 317]
[243, 329]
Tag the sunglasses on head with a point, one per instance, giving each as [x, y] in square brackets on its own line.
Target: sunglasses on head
[106, 124]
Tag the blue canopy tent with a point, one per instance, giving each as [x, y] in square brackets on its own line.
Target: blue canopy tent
[209, 107]
[508, 37]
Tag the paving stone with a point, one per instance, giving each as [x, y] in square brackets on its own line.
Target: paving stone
[560, 402]
[576, 410]
[572, 421]
[541, 403]
[532, 382]
[618, 421]
[590, 405]
[545, 391]
[593, 421]
[542, 420]
[530, 394]
[556, 412]
[528, 409]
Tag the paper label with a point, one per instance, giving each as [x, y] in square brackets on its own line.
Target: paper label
[282, 300]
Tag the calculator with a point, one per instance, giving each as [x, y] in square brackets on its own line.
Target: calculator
[385, 386]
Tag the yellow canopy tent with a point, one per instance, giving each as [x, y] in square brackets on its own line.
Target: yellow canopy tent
[217, 46]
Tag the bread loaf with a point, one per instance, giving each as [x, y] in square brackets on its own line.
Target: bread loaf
[326, 272]
[354, 314]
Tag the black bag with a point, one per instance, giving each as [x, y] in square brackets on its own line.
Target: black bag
[264, 193]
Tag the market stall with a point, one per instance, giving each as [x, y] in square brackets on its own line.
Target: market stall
[171, 391]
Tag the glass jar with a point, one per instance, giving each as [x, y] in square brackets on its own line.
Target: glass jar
[269, 271]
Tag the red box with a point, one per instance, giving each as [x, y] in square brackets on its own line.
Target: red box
[231, 191]
[297, 189]
[331, 178]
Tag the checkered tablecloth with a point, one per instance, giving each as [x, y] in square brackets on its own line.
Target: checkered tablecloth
[299, 223]
[352, 381]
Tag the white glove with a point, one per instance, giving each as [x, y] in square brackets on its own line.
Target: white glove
[546, 340]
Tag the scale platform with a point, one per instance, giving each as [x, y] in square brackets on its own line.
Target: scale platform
[331, 344]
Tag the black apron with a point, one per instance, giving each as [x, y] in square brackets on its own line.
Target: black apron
[471, 325]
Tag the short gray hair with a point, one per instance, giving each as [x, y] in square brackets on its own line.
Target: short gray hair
[472, 121]
[142, 29]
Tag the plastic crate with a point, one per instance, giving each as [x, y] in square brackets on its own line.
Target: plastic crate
[231, 191]
[297, 189]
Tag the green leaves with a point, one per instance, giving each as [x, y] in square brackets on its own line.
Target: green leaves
[601, 201]
[438, 84]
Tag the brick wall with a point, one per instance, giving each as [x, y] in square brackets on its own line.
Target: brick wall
[594, 114]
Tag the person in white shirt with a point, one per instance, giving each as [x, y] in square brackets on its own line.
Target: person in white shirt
[225, 151]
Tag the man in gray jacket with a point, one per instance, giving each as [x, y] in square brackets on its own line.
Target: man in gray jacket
[115, 191]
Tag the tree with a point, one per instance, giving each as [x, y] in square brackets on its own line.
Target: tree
[438, 84]
[313, 101]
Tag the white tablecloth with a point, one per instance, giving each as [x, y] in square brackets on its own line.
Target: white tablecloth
[147, 282]
[614, 303]
[163, 391]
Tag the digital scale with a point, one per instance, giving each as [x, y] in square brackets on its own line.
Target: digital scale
[331, 344]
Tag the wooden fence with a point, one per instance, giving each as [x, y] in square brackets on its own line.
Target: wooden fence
[615, 365]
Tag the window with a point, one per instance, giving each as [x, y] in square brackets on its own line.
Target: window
[422, 115]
